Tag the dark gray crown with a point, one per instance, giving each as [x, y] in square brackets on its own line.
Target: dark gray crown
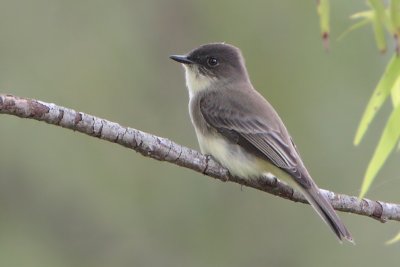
[230, 62]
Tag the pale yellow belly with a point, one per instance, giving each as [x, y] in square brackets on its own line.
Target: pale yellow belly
[238, 161]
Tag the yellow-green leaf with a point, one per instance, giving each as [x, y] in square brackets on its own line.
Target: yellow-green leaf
[395, 15]
[367, 17]
[323, 12]
[378, 23]
[395, 92]
[393, 240]
[354, 27]
[381, 92]
[387, 142]
[379, 8]
[395, 22]
[369, 14]
[379, 34]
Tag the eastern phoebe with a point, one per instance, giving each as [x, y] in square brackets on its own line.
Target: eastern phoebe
[240, 129]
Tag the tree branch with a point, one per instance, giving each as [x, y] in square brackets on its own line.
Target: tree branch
[165, 150]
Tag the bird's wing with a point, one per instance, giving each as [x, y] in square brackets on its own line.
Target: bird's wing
[260, 130]
[256, 131]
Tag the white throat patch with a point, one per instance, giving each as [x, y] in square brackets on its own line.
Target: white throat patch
[195, 81]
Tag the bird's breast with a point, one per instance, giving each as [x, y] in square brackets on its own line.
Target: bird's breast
[233, 157]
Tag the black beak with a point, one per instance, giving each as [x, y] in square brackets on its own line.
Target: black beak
[181, 59]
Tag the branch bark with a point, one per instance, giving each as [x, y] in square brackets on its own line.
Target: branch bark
[163, 149]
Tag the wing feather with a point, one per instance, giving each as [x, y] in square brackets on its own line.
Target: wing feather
[239, 125]
[263, 133]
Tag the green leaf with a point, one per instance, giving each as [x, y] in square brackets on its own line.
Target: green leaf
[323, 12]
[353, 27]
[394, 10]
[387, 142]
[379, 21]
[367, 17]
[380, 12]
[395, 93]
[368, 14]
[393, 240]
[380, 94]
[380, 37]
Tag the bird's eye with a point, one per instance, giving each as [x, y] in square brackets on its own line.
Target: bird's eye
[212, 61]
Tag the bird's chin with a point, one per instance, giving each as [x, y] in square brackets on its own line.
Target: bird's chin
[191, 67]
[195, 80]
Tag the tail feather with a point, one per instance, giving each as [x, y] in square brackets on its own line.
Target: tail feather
[325, 210]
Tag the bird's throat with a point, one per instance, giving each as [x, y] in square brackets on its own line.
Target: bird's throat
[195, 81]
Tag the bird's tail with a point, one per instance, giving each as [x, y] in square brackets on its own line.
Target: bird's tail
[325, 210]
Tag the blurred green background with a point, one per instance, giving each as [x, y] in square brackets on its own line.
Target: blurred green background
[70, 200]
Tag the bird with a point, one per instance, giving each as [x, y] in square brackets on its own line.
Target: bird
[241, 130]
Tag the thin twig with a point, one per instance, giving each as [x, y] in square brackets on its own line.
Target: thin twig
[164, 149]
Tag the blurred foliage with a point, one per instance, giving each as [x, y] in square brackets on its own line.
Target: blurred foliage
[381, 18]
[70, 200]
[388, 85]
[323, 12]
[393, 240]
